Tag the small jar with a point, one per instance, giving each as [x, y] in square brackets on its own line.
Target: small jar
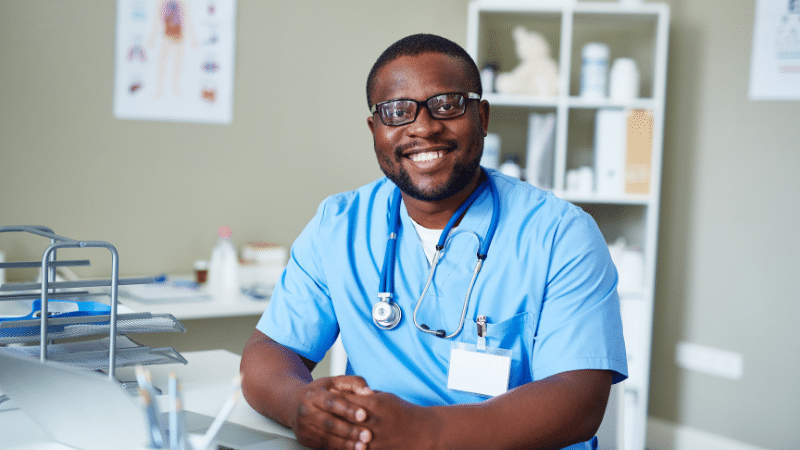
[594, 70]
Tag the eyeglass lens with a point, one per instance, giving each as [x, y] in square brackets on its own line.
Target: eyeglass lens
[442, 106]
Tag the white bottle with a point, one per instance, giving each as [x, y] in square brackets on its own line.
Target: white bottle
[491, 151]
[223, 270]
[594, 70]
[624, 80]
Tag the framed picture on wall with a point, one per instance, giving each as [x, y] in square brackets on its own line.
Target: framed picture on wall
[175, 60]
[775, 62]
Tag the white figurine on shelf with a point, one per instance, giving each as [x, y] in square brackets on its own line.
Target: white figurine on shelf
[537, 74]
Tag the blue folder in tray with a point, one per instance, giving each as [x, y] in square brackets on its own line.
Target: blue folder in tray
[55, 309]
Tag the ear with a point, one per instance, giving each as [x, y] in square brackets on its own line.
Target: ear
[371, 125]
[483, 116]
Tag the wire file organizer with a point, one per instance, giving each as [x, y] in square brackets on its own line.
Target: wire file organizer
[66, 310]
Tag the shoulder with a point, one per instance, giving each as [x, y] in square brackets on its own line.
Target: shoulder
[531, 214]
[520, 198]
[349, 204]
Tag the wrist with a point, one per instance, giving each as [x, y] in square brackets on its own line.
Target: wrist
[437, 423]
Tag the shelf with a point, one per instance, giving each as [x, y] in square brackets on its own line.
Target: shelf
[639, 31]
[524, 101]
[598, 103]
[530, 101]
[93, 355]
[629, 199]
[28, 331]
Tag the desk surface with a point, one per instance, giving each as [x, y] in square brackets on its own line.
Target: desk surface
[202, 306]
[204, 380]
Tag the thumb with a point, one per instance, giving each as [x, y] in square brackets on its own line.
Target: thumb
[351, 383]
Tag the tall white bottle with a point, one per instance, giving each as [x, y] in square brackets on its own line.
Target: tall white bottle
[223, 269]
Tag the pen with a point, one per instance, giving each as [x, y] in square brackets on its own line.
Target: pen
[152, 422]
[172, 389]
[183, 440]
[147, 393]
[232, 397]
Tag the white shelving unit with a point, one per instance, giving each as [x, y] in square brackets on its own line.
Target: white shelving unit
[634, 30]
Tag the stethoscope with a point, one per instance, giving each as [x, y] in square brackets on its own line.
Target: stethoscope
[386, 314]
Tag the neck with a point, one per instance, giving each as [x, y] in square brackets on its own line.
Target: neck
[436, 214]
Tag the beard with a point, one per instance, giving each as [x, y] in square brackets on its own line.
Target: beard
[463, 173]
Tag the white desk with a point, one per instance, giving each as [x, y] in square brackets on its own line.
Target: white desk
[202, 306]
[219, 322]
[211, 322]
[205, 380]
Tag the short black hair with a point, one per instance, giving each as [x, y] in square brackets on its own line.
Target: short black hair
[417, 44]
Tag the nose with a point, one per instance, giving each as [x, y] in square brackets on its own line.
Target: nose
[425, 124]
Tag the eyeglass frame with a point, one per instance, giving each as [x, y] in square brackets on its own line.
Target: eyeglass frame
[424, 103]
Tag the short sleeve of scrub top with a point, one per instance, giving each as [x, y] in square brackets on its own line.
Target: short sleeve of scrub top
[300, 313]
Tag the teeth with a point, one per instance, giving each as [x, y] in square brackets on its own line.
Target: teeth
[427, 156]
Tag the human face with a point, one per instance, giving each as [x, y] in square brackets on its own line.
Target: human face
[428, 159]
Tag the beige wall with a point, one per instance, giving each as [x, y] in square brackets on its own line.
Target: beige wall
[728, 276]
[729, 272]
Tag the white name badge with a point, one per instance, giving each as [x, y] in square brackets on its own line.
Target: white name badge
[483, 372]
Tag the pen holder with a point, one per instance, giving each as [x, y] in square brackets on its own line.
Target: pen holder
[175, 436]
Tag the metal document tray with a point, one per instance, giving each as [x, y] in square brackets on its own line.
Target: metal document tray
[50, 325]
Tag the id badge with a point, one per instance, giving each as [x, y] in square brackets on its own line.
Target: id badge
[483, 371]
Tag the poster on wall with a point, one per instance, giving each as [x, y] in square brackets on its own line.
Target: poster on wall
[175, 60]
[775, 61]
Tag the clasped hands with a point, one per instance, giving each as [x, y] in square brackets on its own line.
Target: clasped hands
[343, 412]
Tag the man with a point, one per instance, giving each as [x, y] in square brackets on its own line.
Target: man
[545, 301]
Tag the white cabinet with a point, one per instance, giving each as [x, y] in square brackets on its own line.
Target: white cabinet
[630, 30]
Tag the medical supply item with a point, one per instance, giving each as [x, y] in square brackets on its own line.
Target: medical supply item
[223, 271]
[386, 314]
[491, 151]
[594, 69]
[624, 80]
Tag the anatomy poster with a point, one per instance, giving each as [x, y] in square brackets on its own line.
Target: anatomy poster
[175, 60]
[775, 64]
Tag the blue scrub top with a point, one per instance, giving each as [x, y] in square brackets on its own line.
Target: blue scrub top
[547, 288]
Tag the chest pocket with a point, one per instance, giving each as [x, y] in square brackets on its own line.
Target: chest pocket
[515, 334]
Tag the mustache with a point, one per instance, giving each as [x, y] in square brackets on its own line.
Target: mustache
[400, 150]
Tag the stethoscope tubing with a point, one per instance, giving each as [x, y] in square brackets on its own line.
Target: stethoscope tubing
[386, 288]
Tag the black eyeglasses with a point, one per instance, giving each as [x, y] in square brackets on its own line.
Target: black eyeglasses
[403, 111]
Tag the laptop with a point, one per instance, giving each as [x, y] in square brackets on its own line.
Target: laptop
[86, 410]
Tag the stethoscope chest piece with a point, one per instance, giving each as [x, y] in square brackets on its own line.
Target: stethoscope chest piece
[386, 315]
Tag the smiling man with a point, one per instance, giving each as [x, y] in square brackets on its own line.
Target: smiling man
[516, 347]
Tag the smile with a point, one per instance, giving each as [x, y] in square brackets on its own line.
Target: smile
[425, 156]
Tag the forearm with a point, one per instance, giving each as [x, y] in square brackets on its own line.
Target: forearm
[548, 414]
[277, 383]
[272, 378]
